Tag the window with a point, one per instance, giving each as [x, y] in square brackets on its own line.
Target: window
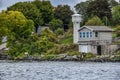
[87, 34]
[90, 34]
[96, 34]
[80, 34]
[83, 34]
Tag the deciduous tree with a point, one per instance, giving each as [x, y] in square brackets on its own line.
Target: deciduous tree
[116, 15]
[55, 24]
[46, 9]
[30, 11]
[63, 12]
[99, 8]
[95, 21]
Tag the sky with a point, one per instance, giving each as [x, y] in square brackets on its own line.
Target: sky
[6, 3]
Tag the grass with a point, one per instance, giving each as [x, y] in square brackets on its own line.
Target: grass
[67, 40]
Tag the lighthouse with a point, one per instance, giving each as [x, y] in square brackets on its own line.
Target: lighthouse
[76, 19]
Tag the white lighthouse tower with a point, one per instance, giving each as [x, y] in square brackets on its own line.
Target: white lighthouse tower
[76, 19]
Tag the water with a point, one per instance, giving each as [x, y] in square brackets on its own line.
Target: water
[59, 71]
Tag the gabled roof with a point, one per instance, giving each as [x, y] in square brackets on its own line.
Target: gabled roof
[97, 28]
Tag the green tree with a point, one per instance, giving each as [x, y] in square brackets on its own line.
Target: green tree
[116, 15]
[95, 21]
[3, 27]
[55, 24]
[99, 8]
[81, 8]
[117, 31]
[30, 11]
[112, 3]
[46, 9]
[18, 31]
[63, 13]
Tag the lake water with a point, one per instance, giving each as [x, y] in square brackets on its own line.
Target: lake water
[59, 71]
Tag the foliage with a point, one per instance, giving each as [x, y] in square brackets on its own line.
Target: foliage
[74, 53]
[99, 8]
[29, 10]
[69, 33]
[113, 3]
[67, 40]
[18, 30]
[117, 31]
[116, 15]
[46, 9]
[63, 13]
[81, 8]
[59, 31]
[20, 37]
[106, 21]
[51, 37]
[95, 21]
[89, 55]
[55, 24]
[49, 56]
[3, 28]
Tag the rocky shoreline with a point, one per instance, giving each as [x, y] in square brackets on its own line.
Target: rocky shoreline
[64, 57]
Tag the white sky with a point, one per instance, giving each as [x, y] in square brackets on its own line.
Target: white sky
[5, 3]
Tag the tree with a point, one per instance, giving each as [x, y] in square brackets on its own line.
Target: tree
[18, 31]
[30, 11]
[112, 3]
[55, 24]
[99, 8]
[63, 13]
[95, 21]
[116, 15]
[117, 31]
[81, 8]
[46, 9]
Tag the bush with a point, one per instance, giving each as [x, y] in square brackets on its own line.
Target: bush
[67, 40]
[49, 57]
[60, 49]
[55, 24]
[74, 53]
[117, 31]
[59, 31]
[89, 55]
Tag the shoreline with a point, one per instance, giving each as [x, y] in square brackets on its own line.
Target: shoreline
[39, 60]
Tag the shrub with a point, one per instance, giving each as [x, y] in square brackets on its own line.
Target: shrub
[117, 31]
[89, 55]
[49, 57]
[59, 31]
[55, 24]
[74, 53]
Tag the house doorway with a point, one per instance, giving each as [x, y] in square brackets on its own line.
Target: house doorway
[99, 50]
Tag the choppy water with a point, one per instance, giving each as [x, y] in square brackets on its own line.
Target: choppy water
[59, 71]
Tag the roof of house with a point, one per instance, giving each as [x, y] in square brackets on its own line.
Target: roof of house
[97, 28]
